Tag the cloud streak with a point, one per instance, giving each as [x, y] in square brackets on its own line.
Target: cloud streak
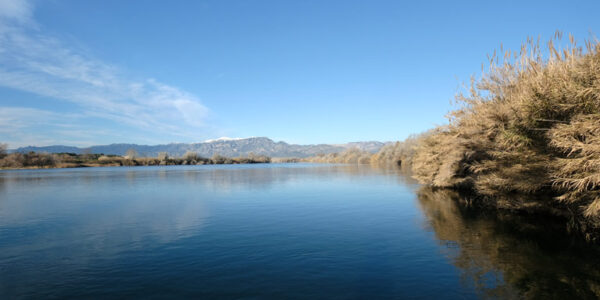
[36, 62]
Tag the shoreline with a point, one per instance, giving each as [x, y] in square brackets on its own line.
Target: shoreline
[33, 160]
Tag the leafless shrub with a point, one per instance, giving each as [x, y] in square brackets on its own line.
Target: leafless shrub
[350, 156]
[131, 154]
[3, 150]
[163, 156]
[399, 153]
[219, 160]
[28, 160]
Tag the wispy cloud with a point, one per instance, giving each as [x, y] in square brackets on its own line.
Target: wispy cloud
[29, 126]
[16, 10]
[33, 61]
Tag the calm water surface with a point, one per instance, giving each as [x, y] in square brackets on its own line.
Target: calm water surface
[270, 231]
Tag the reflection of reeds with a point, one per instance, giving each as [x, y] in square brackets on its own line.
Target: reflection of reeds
[506, 255]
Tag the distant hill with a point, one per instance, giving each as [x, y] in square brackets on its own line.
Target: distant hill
[224, 146]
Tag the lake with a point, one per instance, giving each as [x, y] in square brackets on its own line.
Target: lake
[271, 231]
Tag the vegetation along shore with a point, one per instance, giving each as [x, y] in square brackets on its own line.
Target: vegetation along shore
[34, 160]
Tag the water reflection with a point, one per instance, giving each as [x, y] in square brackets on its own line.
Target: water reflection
[510, 256]
[208, 230]
[298, 230]
[159, 203]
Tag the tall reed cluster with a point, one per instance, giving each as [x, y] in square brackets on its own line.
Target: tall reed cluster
[529, 126]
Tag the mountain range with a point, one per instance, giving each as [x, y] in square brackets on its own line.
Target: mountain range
[230, 147]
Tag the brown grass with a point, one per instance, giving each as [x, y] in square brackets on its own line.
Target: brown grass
[531, 125]
[399, 153]
[350, 156]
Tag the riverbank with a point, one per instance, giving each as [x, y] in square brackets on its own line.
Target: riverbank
[33, 160]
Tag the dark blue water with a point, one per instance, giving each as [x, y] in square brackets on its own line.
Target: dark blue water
[265, 232]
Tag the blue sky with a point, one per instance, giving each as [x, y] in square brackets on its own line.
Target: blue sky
[97, 72]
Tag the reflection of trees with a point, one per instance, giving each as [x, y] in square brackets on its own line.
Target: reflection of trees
[253, 177]
[218, 177]
[502, 254]
[131, 207]
[2, 180]
[508, 256]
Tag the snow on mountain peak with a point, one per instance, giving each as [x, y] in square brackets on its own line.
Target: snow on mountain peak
[223, 139]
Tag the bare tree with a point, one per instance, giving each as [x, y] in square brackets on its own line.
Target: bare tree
[192, 157]
[131, 154]
[163, 156]
[3, 150]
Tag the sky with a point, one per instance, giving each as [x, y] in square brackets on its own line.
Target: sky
[85, 73]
